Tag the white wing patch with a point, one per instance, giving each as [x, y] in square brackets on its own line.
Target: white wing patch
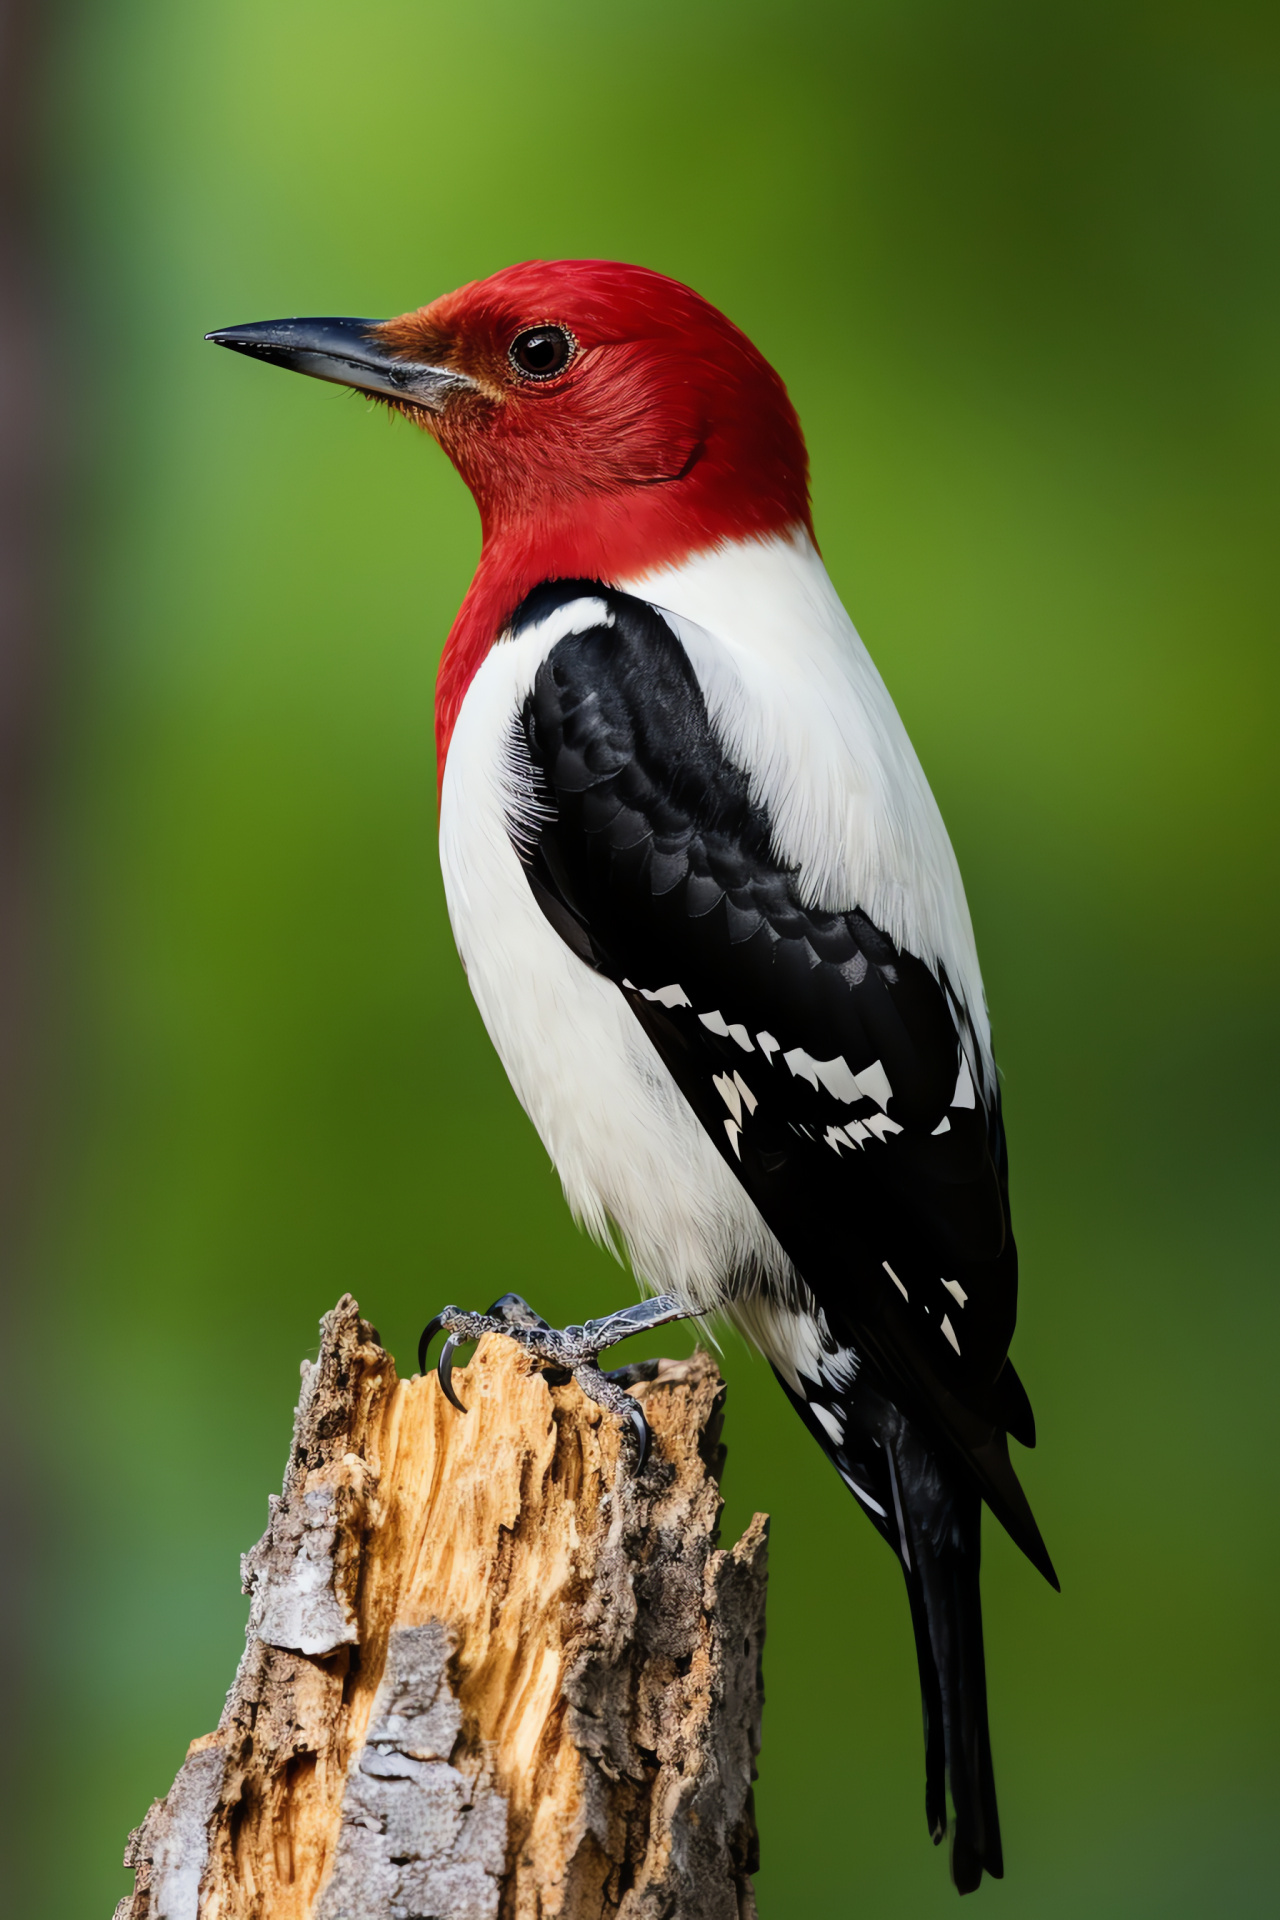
[873, 1084]
[828, 1419]
[798, 1340]
[715, 1022]
[833, 1075]
[838, 1079]
[672, 996]
[963, 1095]
[956, 1291]
[853, 1133]
[736, 1095]
[728, 1091]
[893, 1276]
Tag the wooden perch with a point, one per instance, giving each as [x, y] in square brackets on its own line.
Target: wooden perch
[488, 1674]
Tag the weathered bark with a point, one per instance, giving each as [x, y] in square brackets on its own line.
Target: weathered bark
[488, 1674]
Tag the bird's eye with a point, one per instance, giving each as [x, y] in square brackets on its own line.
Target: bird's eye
[539, 353]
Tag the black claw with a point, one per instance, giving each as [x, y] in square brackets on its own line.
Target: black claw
[640, 1428]
[444, 1373]
[429, 1333]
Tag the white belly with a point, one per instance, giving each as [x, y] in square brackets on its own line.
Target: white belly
[628, 1149]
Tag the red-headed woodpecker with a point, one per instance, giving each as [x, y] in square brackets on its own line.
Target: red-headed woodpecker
[711, 916]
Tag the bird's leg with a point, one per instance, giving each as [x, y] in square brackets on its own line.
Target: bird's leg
[568, 1350]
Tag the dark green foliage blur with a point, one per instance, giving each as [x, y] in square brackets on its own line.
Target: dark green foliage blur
[1018, 265]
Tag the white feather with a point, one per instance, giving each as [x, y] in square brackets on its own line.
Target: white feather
[794, 1335]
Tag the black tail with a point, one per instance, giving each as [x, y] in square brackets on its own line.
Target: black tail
[924, 1502]
[940, 1530]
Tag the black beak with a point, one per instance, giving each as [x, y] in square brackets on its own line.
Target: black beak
[346, 351]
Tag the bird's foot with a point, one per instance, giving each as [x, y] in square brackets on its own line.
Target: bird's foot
[566, 1352]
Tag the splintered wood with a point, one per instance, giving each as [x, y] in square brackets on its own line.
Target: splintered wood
[488, 1674]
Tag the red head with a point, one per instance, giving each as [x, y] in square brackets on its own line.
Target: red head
[607, 419]
[645, 424]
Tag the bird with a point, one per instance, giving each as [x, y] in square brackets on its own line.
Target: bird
[712, 918]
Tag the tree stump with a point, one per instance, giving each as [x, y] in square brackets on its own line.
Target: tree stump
[488, 1674]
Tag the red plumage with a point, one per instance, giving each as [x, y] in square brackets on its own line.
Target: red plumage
[667, 433]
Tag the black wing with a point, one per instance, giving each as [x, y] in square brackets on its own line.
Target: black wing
[836, 1074]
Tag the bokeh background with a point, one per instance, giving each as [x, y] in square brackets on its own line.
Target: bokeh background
[1018, 265]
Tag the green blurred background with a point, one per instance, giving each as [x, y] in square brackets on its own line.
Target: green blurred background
[1018, 266]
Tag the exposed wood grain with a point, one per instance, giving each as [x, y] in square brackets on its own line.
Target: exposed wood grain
[488, 1674]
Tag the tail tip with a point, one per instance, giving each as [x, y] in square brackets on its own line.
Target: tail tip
[968, 1864]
